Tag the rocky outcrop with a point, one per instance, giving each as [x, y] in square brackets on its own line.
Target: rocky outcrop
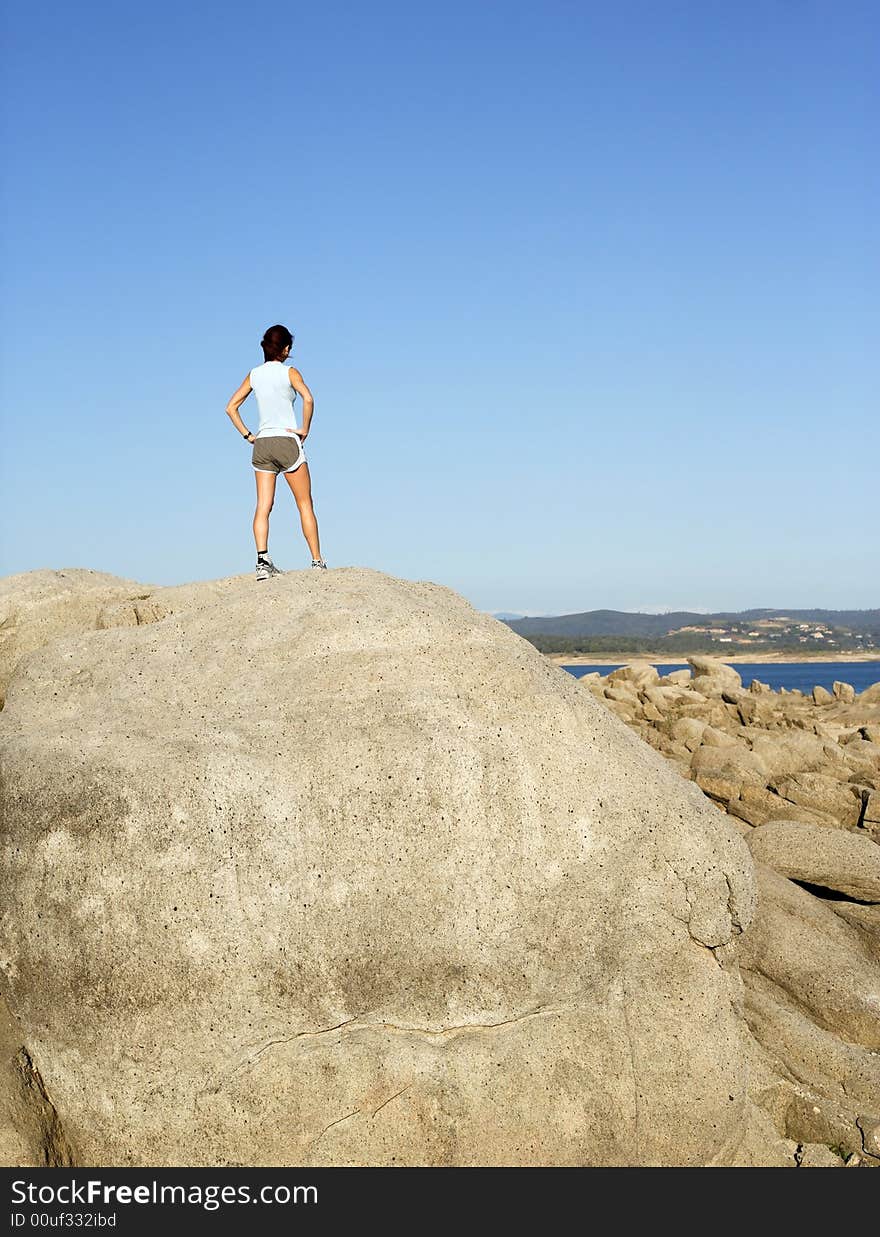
[776, 755]
[811, 1001]
[342, 871]
[800, 776]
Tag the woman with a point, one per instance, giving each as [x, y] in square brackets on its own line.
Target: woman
[278, 444]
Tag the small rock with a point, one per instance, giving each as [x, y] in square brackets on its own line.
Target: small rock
[639, 673]
[844, 691]
[731, 694]
[861, 757]
[623, 692]
[713, 666]
[625, 709]
[712, 737]
[817, 1155]
[822, 696]
[754, 805]
[689, 731]
[823, 794]
[871, 1137]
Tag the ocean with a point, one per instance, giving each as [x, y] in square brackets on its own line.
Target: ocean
[804, 674]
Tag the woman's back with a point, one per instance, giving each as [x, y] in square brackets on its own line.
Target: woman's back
[270, 383]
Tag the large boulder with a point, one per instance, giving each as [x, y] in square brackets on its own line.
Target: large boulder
[813, 1083]
[811, 981]
[811, 954]
[840, 800]
[829, 858]
[758, 806]
[340, 870]
[703, 664]
[793, 751]
[722, 771]
[712, 677]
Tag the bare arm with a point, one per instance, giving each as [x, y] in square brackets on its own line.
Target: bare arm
[296, 381]
[235, 403]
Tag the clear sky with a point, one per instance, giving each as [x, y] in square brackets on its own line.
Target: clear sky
[586, 292]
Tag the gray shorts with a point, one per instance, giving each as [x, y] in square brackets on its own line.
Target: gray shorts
[278, 454]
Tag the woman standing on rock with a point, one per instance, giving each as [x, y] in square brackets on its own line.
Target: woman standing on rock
[278, 444]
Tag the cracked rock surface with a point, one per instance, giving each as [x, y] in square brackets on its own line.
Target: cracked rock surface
[336, 869]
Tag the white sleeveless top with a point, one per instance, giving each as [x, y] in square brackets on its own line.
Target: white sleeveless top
[270, 383]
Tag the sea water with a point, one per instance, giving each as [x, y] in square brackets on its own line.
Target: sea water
[804, 675]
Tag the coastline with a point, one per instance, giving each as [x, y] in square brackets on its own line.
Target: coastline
[613, 659]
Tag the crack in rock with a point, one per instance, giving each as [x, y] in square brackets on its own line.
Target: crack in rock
[308, 1147]
[355, 1113]
[390, 1098]
[431, 1034]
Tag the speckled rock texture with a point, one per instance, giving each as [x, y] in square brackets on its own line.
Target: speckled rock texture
[335, 869]
[38, 607]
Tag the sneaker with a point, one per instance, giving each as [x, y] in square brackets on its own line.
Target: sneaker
[319, 562]
[266, 568]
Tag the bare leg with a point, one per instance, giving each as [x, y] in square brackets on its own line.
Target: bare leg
[301, 485]
[265, 502]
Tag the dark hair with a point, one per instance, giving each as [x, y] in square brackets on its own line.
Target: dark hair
[273, 343]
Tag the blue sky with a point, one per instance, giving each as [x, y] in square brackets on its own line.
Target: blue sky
[585, 292]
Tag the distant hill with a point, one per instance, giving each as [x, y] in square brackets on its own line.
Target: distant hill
[646, 626]
[603, 623]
